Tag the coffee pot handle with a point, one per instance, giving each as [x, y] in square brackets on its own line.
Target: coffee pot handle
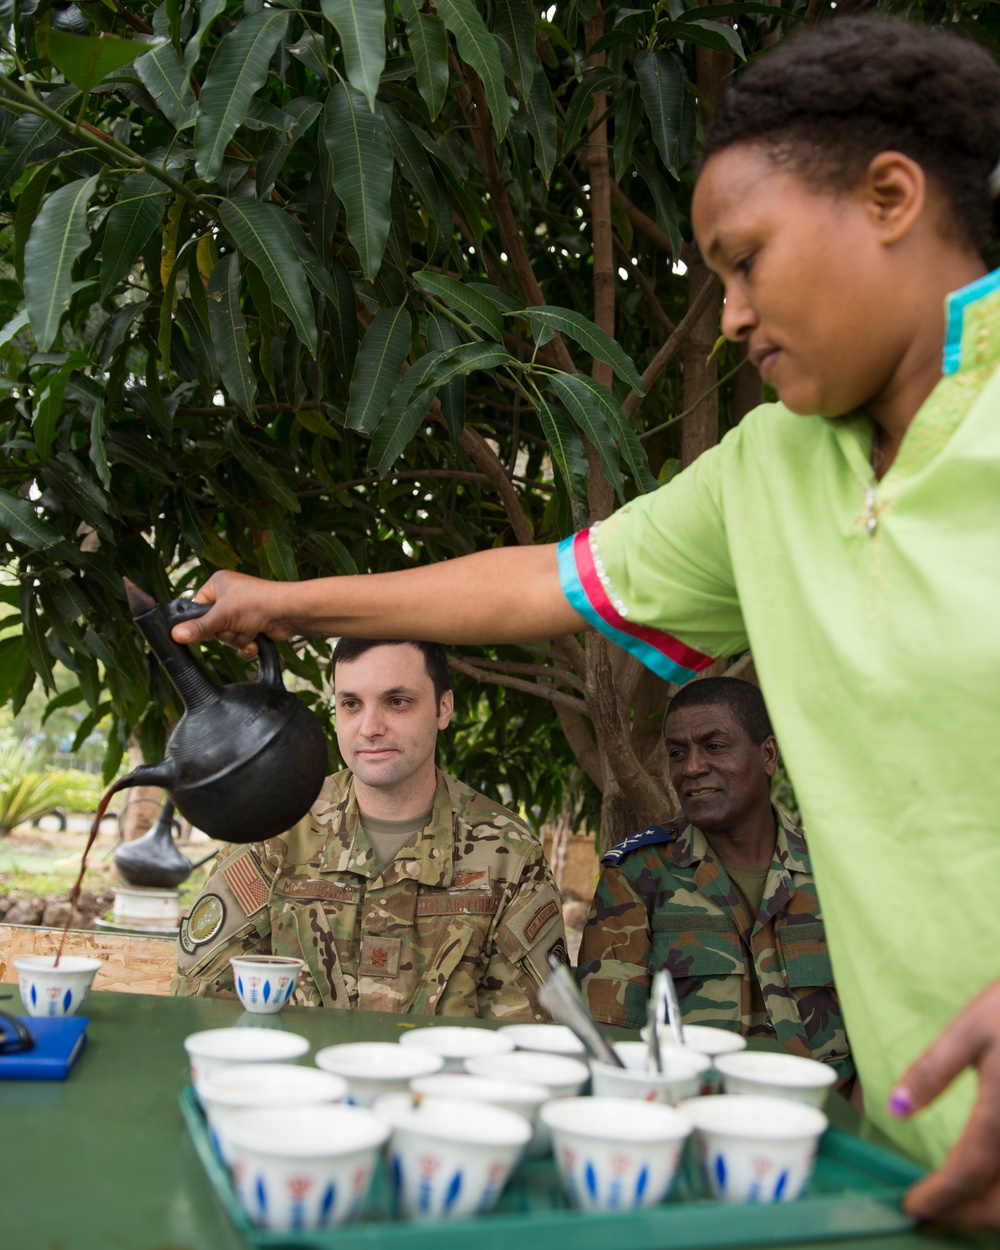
[178, 610]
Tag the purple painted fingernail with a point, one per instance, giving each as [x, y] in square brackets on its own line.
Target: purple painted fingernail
[901, 1102]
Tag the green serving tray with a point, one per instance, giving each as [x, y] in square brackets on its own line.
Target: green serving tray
[855, 1191]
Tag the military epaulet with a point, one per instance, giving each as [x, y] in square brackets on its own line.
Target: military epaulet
[652, 835]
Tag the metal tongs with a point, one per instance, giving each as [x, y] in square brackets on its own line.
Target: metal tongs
[662, 1006]
[561, 999]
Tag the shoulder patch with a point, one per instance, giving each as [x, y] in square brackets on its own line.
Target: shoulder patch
[205, 920]
[652, 835]
[244, 878]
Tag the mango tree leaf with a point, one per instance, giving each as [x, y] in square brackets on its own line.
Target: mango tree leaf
[408, 406]
[98, 449]
[335, 552]
[540, 119]
[515, 24]
[361, 27]
[440, 335]
[133, 219]
[419, 173]
[237, 71]
[259, 469]
[628, 119]
[48, 409]
[566, 448]
[163, 75]
[13, 665]
[361, 156]
[477, 48]
[86, 59]
[605, 408]
[377, 365]
[13, 327]
[600, 345]
[590, 419]
[472, 306]
[229, 334]
[39, 655]
[28, 203]
[716, 35]
[280, 556]
[497, 296]
[58, 236]
[19, 521]
[262, 237]
[578, 113]
[661, 81]
[208, 11]
[429, 46]
[29, 133]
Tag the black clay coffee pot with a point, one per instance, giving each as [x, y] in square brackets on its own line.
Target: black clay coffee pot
[245, 761]
[153, 860]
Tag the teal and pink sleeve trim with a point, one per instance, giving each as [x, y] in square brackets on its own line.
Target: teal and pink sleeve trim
[586, 586]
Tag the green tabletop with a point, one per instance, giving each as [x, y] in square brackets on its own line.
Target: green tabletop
[103, 1161]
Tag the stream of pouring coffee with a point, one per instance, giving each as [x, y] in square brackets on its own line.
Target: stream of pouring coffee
[102, 807]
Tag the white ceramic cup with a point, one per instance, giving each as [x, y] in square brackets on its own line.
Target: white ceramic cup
[682, 1075]
[705, 1040]
[449, 1159]
[522, 1097]
[615, 1153]
[47, 990]
[374, 1068]
[552, 1039]
[455, 1043]
[214, 1049]
[264, 983]
[304, 1167]
[229, 1093]
[755, 1149]
[562, 1075]
[777, 1076]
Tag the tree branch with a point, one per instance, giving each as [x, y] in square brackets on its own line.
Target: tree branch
[482, 455]
[645, 225]
[641, 281]
[557, 697]
[581, 742]
[663, 357]
[559, 676]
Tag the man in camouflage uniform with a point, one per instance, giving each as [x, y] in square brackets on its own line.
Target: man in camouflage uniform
[402, 889]
[725, 900]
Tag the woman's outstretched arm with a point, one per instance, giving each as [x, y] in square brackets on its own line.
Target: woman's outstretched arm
[510, 594]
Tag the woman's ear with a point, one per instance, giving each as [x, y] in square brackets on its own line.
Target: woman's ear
[894, 189]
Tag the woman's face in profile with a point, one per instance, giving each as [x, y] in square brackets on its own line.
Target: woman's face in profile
[808, 284]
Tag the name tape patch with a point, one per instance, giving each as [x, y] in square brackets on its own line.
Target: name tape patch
[458, 904]
[331, 891]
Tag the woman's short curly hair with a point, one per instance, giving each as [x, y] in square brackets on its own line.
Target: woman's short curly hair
[828, 100]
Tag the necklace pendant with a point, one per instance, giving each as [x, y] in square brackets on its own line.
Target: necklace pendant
[871, 520]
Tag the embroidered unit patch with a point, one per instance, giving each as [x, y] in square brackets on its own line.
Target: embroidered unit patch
[206, 919]
[466, 880]
[539, 920]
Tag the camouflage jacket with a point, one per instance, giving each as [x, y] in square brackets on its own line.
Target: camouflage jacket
[665, 900]
[459, 924]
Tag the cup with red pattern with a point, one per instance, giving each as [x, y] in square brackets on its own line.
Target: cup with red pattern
[265, 983]
[615, 1154]
[304, 1167]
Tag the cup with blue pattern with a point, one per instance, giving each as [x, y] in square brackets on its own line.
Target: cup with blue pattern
[448, 1158]
[265, 983]
[302, 1168]
[615, 1154]
[755, 1149]
[50, 989]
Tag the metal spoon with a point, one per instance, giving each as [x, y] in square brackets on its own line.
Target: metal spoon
[654, 1060]
[668, 1007]
[561, 999]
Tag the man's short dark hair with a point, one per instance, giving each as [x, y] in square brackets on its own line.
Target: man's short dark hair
[435, 659]
[744, 701]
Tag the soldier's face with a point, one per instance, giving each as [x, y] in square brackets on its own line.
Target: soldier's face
[388, 719]
[720, 777]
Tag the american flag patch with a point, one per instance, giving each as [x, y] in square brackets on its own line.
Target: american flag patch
[248, 886]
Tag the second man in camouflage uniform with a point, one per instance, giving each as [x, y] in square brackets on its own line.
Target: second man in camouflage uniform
[403, 889]
[725, 900]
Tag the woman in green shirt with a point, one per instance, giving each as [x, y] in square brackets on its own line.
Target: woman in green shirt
[848, 534]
